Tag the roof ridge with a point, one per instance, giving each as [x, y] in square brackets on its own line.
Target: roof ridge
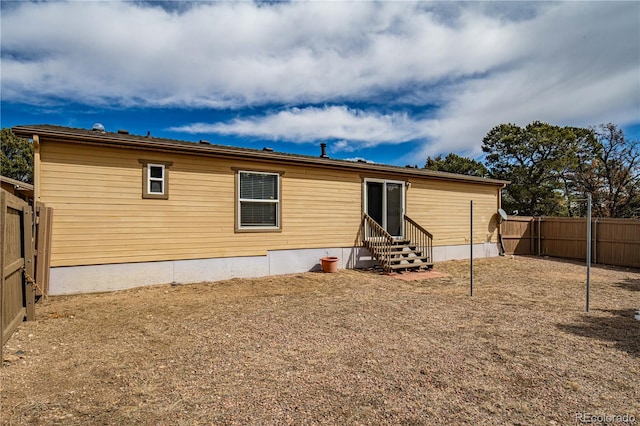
[165, 144]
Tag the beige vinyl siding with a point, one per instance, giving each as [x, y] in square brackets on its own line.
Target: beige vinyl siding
[101, 217]
[442, 208]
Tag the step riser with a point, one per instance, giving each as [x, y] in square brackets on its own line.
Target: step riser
[402, 256]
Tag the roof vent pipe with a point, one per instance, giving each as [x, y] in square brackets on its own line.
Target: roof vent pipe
[323, 148]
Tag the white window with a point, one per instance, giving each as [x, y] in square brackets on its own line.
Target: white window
[156, 173]
[155, 179]
[258, 201]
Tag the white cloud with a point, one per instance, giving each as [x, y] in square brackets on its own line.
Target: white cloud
[360, 160]
[475, 64]
[579, 77]
[234, 54]
[348, 126]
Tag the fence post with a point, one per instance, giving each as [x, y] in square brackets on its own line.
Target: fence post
[43, 216]
[27, 253]
[595, 241]
[588, 248]
[471, 246]
[3, 214]
[47, 251]
[539, 236]
[532, 235]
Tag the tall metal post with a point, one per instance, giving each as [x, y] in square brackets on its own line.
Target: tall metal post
[471, 246]
[588, 248]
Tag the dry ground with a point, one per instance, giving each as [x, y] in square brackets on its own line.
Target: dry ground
[354, 347]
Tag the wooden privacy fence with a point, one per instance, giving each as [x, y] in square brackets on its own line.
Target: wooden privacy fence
[613, 241]
[517, 235]
[42, 247]
[17, 296]
[24, 260]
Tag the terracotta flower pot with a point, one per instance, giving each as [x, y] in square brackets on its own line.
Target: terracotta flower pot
[329, 264]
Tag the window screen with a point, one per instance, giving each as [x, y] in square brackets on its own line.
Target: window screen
[156, 179]
[259, 200]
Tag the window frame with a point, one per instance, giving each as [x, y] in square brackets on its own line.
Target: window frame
[147, 179]
[151, 179]
[239, 228]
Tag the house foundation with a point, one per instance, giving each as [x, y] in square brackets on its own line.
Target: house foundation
[122, 276]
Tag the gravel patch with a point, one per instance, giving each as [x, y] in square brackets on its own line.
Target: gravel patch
[353, 347]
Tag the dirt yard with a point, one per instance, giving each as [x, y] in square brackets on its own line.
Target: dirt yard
[355, 347]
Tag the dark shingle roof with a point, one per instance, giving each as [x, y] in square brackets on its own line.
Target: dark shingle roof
[125, 140]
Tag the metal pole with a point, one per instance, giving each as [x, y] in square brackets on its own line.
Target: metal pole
[471, 246]
[588, 248]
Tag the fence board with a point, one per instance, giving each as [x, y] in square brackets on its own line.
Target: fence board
[518, 235]
[16, 260]
[11, 261]
[617, 242]
[44, 217]
[12, 295]
[614, 241]
[564, 237]
[27, 253]
[3, 209]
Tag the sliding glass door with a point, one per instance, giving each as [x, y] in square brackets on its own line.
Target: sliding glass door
[384, 202]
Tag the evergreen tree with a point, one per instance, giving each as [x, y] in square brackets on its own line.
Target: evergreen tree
[16, 159]
[454, 163]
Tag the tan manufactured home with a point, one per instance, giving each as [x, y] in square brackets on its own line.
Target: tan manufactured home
[135, 210]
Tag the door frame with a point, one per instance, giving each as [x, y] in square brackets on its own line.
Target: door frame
[403, 185]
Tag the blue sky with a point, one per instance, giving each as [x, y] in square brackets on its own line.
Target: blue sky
[390, 82]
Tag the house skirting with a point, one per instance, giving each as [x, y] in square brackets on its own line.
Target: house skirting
[121, 276]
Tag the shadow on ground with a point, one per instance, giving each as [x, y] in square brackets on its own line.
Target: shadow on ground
[631, 284]
[619, 327]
